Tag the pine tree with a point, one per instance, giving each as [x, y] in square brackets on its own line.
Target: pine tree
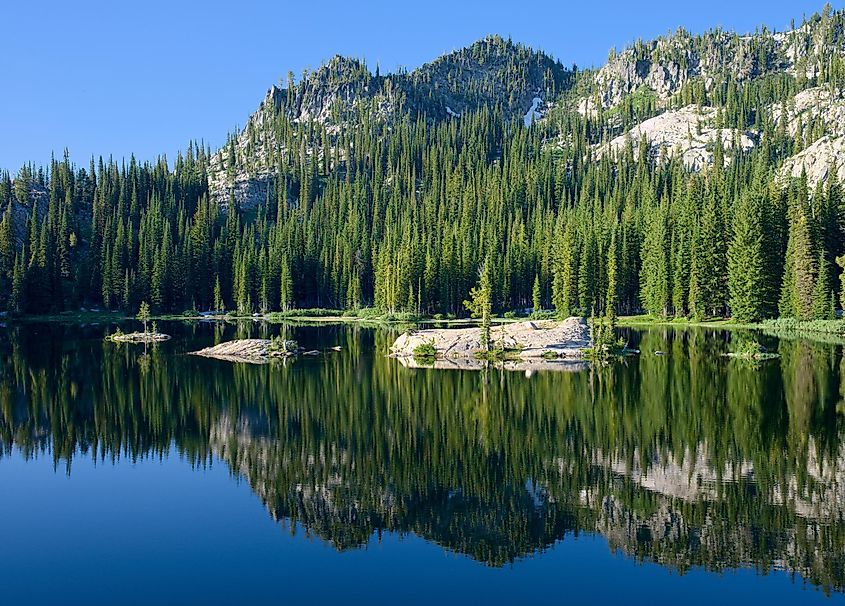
[219, 305]
[746, 263]
[654, 275]
[144, 314]
[285, 288]
[564, 285]
[823, 297]
[611, 296]
[535, 296]
[711, 274]
[800, 274]
[17, 300]
[840, 261]
[480, 303]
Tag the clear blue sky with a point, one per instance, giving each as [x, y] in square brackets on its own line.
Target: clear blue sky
[144, 77]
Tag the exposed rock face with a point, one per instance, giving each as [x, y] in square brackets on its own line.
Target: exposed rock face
[532, 339]
[814, 110]
[689, 133]
[664, 65]
[337, 96]
[653, 73]
[824, 157]
[249, 351]
[812, 107]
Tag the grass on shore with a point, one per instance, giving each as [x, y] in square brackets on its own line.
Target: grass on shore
[363, 315]
[644, 320]
[773, 326]
[372, 315]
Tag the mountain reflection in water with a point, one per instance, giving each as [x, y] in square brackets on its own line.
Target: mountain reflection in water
[688, 459]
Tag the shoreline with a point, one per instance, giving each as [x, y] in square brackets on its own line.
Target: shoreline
[775, 326]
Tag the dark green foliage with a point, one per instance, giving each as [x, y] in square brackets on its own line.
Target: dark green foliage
[399, 211]
[480, 303]
[426, 350]
[746, 263]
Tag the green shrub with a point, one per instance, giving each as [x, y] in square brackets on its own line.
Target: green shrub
[835, 327]
[370, 313]
[278, 344]
[315, 312]
[425, 350]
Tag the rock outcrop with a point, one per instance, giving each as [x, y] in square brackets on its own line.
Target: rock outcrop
[689, 133]
[822, 158]
[527, 340]
[249, 351]
[341, 94]
[665, 65]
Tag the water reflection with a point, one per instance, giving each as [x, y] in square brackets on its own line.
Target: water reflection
[686, 459]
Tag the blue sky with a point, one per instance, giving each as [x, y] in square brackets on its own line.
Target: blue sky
[144, 77]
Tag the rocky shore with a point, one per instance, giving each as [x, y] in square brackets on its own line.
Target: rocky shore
[533, 340]
[140, 337]
[251, 351]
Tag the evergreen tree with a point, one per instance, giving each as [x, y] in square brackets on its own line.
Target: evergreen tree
[144, 314]
[823, 296]
[480, 303]
[746, 264]
[611, 297]
[654, 275]
[801, 270]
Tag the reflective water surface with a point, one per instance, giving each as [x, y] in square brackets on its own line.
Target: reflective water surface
[131, 477]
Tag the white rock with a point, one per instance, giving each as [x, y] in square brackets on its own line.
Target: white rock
[689, 132]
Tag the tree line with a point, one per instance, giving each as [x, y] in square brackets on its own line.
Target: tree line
[400, 214]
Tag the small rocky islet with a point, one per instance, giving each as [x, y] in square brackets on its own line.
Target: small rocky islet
[531, 342]
[252, 351]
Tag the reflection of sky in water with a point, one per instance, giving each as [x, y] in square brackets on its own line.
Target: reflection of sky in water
[162, 532]
[488, 465]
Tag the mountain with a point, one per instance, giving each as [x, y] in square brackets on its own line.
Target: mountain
[704, 170]
[663, 90]
[673, 92]
[340, 95]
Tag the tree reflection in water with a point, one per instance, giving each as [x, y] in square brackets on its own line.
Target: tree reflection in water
[688, 459]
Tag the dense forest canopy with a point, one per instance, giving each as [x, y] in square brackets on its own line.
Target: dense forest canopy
[375, 191]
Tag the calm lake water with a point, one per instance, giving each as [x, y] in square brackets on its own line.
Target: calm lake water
[347, 478]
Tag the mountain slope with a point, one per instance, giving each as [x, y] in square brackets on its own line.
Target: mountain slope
[321, 109]
[789, 82]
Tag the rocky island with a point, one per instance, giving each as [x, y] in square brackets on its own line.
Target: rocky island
[532, 343]
[250, 351]
[139, 337]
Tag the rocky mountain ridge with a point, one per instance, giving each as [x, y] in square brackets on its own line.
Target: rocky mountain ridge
[342, 94]
[672, 93]
[678, 89]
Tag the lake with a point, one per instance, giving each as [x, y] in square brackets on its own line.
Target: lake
[133, 477]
